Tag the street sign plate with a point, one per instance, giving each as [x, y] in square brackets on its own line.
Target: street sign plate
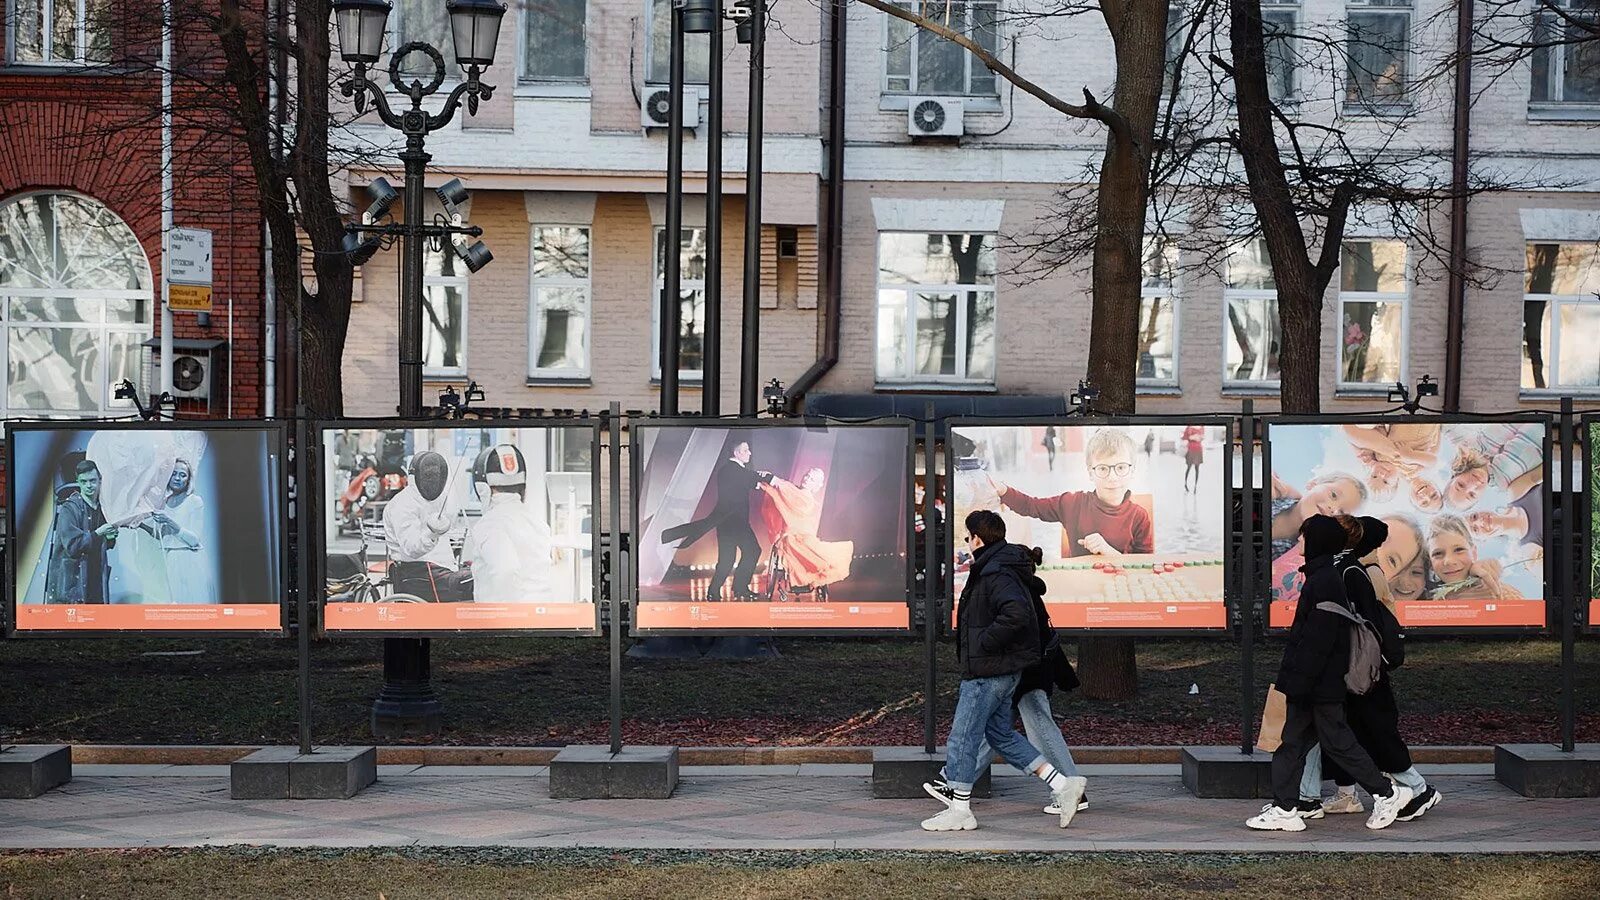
[189, 256]
[193, 297]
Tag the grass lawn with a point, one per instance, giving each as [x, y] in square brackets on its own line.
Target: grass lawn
[553, 691]
[490, 872]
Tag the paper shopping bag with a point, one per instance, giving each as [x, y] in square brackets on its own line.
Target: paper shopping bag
[1272, 717]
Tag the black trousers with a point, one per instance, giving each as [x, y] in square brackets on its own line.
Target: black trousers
[1305, 725]
[1375, 719]
[735, 539]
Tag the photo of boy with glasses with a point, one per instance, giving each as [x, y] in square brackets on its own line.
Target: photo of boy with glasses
[1102, 522]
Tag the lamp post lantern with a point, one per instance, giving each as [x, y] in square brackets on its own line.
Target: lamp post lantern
[407, 704]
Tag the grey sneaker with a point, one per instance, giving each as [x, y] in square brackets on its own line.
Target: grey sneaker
[1067, 798]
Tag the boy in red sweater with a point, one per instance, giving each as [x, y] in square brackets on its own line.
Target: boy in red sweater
[1104, 521]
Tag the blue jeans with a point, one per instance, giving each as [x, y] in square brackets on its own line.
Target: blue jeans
[983, 715]
[1311, 781]
[1042, 731]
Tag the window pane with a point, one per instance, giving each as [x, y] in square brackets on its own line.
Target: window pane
[986, 34]
[1156, 339]
[1249, 268]
[64, 30]
[900, 44]
[1373, 266]
[696, 49]
[97, 29]
[444, 328]
[980, 335]
[1252, 342]
[27, 17]
[426, 21]
[936, 258]
[1377, 49]
[692, 331]
[936, 334]
[1565, 269]
[52, 368]
[1178, 28]
[1371, 342]
[1278, 26]
[1580, 81]
[55, 309]
[1160, 263]
[941, 65]
[563, 328]
[1580, 345]
[553, 32]
[560, 251]
[1535, 338]
[892, 334]
[95, 250]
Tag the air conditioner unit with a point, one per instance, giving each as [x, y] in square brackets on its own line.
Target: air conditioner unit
[195, 368]
[934, 117]
[656, 111]
[191, 375]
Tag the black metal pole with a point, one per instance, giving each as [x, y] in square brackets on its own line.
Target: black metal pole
[711, 358]
[750, 323]
[1568, 603]
[932, 582]
[407, 704]
[619, 572]
[1247, 582]
[304, 543]
[672, 284]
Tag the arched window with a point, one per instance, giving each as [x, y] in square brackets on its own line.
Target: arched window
[75, 304]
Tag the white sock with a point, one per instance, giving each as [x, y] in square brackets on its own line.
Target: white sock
[1347, 790]
[962, 802]
[1052, 776]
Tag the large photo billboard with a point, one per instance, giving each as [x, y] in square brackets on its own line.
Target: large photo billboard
[1129, 518]
[146, 527]
[793, 527]
[1465, 503]
[471, 526]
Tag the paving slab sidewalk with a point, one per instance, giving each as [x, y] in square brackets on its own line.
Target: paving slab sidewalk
[1142, 808]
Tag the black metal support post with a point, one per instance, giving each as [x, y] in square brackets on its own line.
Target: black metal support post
[619, 572]
[932, 584]
[1247, 582]
[1571, 583]
[711, 358]
[303, 526]
[750, 322]
[672, 283]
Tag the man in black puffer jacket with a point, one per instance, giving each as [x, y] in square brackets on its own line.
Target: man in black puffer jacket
[997, 636]
[1312, 677]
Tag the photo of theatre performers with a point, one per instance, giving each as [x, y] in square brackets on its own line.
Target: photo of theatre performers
[459, 528]
[1464, 502]
[133, 528]
[777, 527]
[1129, 518]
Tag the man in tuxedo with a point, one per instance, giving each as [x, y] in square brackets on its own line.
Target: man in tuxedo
[730, 518]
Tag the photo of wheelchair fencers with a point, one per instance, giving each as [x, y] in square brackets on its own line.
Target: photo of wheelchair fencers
[458, 528]
[771, 528]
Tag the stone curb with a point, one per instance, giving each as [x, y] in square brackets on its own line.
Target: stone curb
[438, 755]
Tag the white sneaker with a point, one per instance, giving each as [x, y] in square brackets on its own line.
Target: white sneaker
[956, 818]
[1385, 809]
[1307, 809]
[1419, 805]
[1276, 818]
[1343, 803]
[1066, 799]
[1054, 810]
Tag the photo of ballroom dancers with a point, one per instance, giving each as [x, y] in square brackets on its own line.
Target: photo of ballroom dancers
[478, 515]
[1463, 502]
[772, 515]
[146, 517]
[1129, 517]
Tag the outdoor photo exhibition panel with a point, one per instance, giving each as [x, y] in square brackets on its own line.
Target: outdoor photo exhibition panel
[1130, 516]
[1589, 441]
[790, 527]
[153, 527]
[480, 526]
[1466, 502]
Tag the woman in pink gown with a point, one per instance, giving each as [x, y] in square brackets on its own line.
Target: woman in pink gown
[810, 561]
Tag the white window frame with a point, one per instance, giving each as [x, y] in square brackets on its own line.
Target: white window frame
[971, 61]
[1556, 60]
[1405, 8]
[80, 42]
[1229, 294]
[1552, 351]
[908, 311]
[1401, 297]
[535, 332]
[102, 329]
[1172, 293]
[659, 284]
[1296, 13]
[522, 54]
[648, 56]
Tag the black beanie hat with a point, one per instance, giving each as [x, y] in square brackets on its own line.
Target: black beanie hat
[1373, 533]
[1323, 536]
